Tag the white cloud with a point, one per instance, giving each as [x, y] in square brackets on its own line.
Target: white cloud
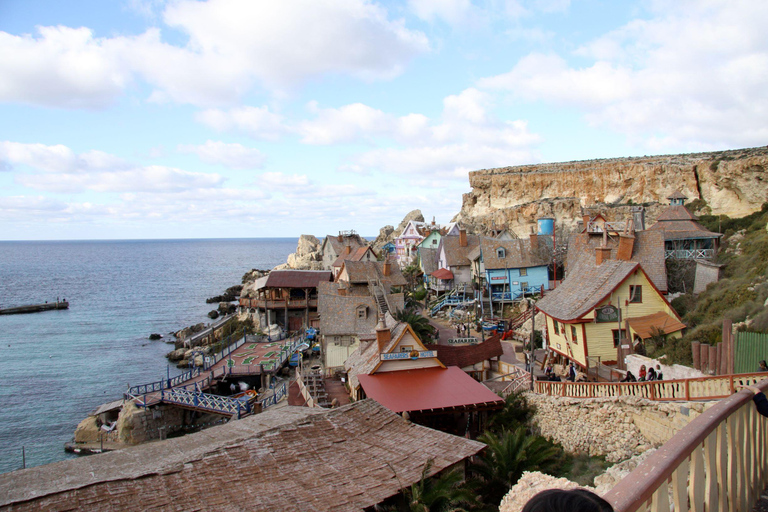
[234, 156]
[453, 12]
[693, 75]
[67, 172]
[233, 46]
[346, 124]
[257, 122]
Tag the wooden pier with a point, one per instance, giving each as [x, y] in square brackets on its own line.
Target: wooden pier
[35, 308]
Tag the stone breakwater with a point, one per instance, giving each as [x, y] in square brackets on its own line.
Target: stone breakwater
[617, 428]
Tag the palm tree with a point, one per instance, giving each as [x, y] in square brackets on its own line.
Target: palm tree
[420, 324]
[517, 411]
[507, 456]
[442, 494]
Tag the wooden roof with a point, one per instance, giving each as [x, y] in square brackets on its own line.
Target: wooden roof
[644, 325]
[518, 253]
[586, 285]
[345, 459]
[297, 278]
[457, 255]
[678, 223]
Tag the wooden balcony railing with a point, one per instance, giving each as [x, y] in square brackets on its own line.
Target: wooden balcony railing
[704, 388]
[718, 462]
[277, 304]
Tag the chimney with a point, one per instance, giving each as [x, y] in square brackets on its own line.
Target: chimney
[463, 237]
[638, 217]
[585, 219]
[347, 250]
[626, 245]
[534, 241]
[433, 221]
[602, 254]
[340, 238]
[382, 334]
[387, 267]
[342, 289]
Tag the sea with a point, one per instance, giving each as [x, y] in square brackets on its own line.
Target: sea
[57, 366]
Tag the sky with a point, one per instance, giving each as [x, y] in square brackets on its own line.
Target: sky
[131, 119]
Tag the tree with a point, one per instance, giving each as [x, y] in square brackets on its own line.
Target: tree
[516, 412]
[507, 456]
[442, 494]
[418, 323]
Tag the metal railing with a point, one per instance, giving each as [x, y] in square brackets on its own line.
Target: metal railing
[160, 385]
[275, 397]
[689, 254]
[716, 462]
[213, 403]
[702, 388]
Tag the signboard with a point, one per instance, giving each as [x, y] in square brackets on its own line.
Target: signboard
[499, 278]
[463, 341]
[607, 314]
[394, 356]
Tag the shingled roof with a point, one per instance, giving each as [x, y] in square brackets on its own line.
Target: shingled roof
[648, 250]
[429, 259]
[338, 313]
[367, 356]
[297, 278]
[360, 272]
[354, 255]
[518, 253]
[678, 223]
[468, 355]
[455, 254]
[586, 285]
[289, 459]
[353, 240]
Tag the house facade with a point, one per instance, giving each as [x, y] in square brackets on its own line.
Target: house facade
[334, 246]
[514, 268]
[603, 310]
[684, 236]
[453, 255]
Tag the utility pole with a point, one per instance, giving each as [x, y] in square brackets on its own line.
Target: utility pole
[533, 338]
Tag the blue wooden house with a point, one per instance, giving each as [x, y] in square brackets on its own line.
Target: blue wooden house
[514, 268]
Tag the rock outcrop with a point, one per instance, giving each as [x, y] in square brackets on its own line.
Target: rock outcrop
[308, 255]
[733, 183]
[414, 215]
[386, 235]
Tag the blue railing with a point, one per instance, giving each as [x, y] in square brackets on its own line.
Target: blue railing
[164, 383]
[514, 295]
[448, 301]
[205, 401]
[275, 397]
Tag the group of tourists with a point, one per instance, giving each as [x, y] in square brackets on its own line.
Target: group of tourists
[644, 375]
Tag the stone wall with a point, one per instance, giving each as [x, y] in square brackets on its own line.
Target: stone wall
[136, 425]
[617, 428]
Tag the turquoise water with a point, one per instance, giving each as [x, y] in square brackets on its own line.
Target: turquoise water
[57, 366]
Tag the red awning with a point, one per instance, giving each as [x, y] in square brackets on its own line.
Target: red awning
[427, 389]
[443, 274]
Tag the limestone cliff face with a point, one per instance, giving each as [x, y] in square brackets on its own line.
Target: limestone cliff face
[733, 183]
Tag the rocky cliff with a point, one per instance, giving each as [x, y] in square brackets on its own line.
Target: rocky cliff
[733, 183]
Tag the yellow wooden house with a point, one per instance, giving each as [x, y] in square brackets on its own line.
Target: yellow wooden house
[605, 306]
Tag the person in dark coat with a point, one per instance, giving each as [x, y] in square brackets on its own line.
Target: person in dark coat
[561, 500]
[761, 402]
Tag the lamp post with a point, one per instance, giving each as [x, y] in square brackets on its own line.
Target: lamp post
[533, 338]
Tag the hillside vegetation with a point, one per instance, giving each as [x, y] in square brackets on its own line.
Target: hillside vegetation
[740, 296]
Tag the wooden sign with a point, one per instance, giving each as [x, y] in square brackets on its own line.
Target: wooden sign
[607, 314]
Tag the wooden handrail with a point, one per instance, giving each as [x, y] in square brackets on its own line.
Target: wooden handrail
[716, 461]
[699, 388]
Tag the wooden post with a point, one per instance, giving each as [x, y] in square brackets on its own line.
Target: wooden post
[704, 357]
[729, 345]
[696, 353]
[713, 360]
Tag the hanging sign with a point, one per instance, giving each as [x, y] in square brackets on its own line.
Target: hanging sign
[391, 356]
[607, 314]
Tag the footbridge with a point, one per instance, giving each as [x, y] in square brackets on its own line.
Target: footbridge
[248, 356]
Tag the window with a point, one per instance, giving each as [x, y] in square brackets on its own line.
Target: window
[434, 241]
[635, 294]
[362, 312]
[557, 327]
[524, 286]
[574, 338]
[523, 272]
[616, 336]
[406, 348]
[501, 253]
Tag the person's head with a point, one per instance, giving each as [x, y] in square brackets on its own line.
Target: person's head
[762, 364]
[560, 500]
[658, 367]
[642, 367]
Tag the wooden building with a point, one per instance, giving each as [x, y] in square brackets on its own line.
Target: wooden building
[601, 305]
[287, 298]
[684, 237]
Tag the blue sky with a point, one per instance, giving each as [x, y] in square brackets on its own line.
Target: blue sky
[251, 118]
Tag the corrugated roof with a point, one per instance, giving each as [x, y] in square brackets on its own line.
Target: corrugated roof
[297, 278]
[648, 251]
[585, 286]
[291, 459]
[468, 355]
[427, 389]
[644, 325]
[442, 273]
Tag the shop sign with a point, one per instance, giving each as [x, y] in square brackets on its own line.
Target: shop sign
[607, 314]
[396, 356]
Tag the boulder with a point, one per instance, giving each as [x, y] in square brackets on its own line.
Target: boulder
[189, 331]
[155, 336]
[213, 315]
[88, 430]
[176, 355]
[308, 255]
